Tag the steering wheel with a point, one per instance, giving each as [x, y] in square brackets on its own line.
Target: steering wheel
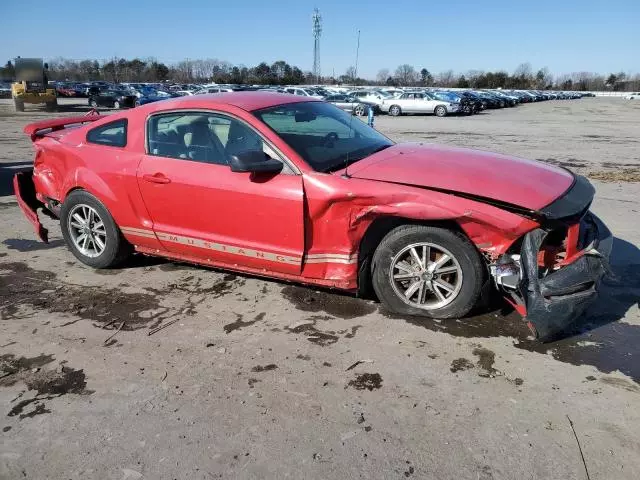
[330, 139]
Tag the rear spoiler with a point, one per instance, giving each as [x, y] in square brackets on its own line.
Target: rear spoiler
[36, 129]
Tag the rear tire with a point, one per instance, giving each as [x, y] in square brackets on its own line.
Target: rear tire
[116, 105]
[466, 272]
[51, 106]
[395, 111]
[440, 111]
[93, 103]
[83, 214]
[18, 104]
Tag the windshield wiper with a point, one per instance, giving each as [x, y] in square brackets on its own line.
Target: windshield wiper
[355, 158]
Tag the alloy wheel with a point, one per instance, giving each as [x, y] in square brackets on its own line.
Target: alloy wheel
[425, 276]
[87, 230]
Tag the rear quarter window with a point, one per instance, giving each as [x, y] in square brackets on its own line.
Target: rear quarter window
[113, 134]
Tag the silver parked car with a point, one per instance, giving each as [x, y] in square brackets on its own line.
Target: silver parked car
[418, 102]
[349, 104]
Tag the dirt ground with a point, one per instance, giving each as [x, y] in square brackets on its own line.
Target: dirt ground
[262, 379]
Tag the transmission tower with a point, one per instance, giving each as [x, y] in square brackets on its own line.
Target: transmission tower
[317, 31]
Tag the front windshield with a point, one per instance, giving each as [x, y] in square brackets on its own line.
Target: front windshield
[326, 137]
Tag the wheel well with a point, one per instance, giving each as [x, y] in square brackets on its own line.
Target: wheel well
[378, 229]
[74, 189]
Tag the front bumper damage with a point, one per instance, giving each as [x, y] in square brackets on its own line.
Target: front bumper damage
[552, 299]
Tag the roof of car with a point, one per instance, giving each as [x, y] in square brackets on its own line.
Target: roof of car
[248, 101]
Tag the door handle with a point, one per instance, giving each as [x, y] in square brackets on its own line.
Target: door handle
[156, 178]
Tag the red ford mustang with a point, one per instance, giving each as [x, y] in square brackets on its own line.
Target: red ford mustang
[296, 189]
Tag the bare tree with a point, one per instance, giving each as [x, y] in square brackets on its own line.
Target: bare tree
[351, 74]
[406, 75]
[382, 75]
[446, 79]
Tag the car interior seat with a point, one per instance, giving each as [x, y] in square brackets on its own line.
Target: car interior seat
[241, 138]
[202, 145]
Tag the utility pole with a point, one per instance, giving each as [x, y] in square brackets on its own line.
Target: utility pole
[317, 31]
[357, 53]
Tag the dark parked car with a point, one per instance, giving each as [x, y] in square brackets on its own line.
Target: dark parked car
[154, 96]
[492, 100]
[478, 102]
[468, 106]
[111, 98]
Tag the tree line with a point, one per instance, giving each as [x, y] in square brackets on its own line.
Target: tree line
[281, 73]
[187, 71]
[523, 77]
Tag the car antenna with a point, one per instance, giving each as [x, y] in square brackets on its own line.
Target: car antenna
[355, 75]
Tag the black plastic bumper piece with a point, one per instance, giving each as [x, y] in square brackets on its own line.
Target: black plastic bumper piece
[555, 301]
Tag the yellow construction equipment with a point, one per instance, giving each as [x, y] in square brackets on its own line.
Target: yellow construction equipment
[31, 85]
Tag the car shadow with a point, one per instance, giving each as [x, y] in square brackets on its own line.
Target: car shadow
[25, 245]
[73, 108]
[7, 171]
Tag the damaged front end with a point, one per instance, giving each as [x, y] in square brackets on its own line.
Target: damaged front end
[556, 274]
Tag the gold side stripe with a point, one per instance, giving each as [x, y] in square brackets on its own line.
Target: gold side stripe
[331, 255]
[133, 229]
[138, 234]
[332, 260]
[245, 252]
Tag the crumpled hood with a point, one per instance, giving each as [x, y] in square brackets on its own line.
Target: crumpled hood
[526, 183]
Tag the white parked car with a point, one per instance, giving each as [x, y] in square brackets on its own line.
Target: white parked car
[633, 96]
[370, 96]
[205, 90]
[301, 91]
[418, 102]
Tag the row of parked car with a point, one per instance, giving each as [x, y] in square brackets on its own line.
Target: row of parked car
[442, 102]
[392, 101]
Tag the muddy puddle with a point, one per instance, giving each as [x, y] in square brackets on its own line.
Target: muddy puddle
[366, 381]
[600, 338]
[332, 303]
[21, 285]
[45, 382]
[239, 323]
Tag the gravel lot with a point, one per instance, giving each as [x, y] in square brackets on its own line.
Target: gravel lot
[260, 379]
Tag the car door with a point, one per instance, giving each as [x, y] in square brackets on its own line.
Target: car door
[200, 208]
[408, 104]
[429, 104]
[104, 99]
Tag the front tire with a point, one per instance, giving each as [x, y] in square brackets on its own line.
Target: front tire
[90, 231]
[93, 103]
[116, 105]
[359, 110]
[395, 111]
[440, 111]
[427, 271]
[51, 106]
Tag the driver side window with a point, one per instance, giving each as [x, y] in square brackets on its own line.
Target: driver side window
[201, 137]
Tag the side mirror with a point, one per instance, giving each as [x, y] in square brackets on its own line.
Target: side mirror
[254, 161]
